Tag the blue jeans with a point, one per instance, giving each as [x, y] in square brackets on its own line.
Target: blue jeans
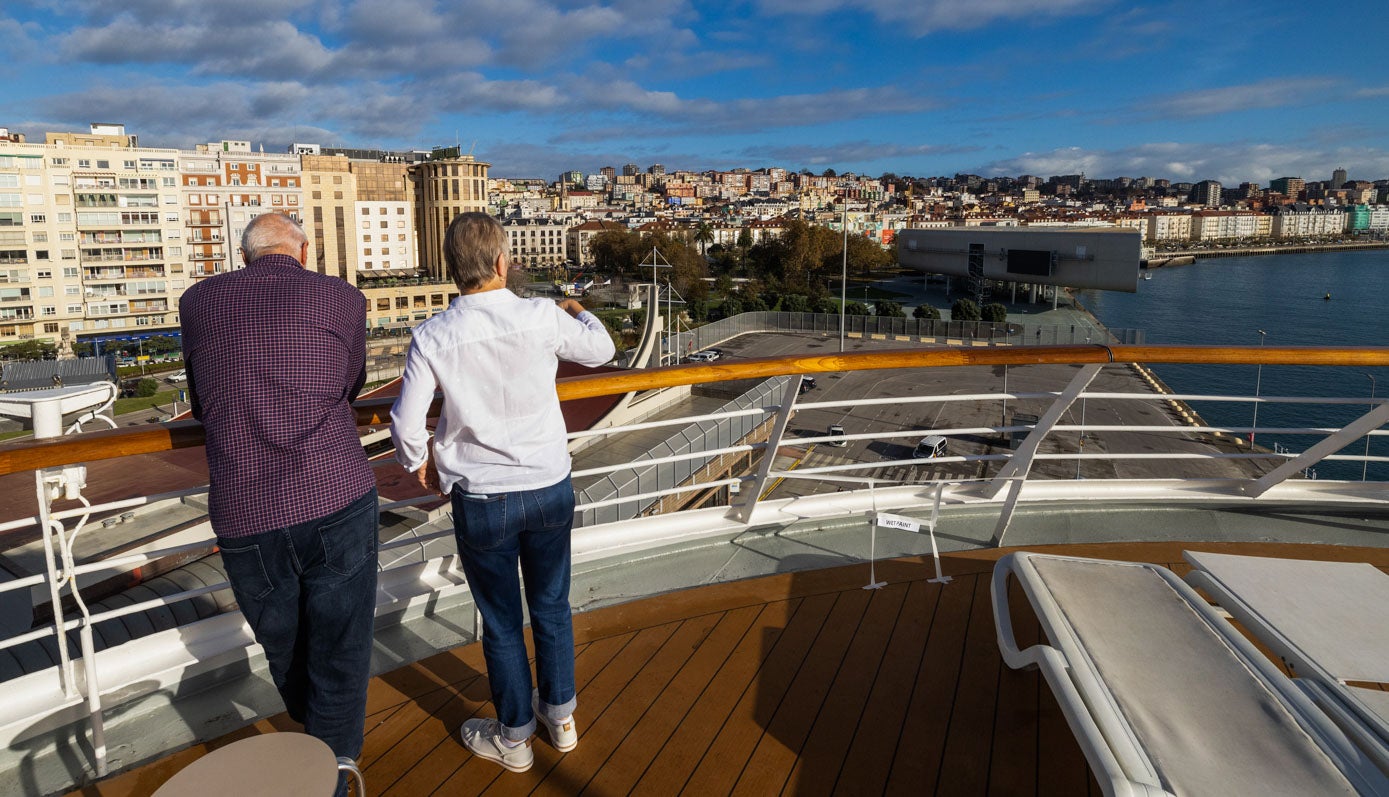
[309, 593]
[495, 532]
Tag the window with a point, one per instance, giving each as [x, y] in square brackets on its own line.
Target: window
[49, 311]
[44, 274]
[84, 164]
[40, 237]
[103, 164]
[337, 179]
[129, 164]
[337, 195]
[67, 236]
[74, 309]
[383, 304]
[72, 290]
[64, 218]
[60, 161]
[46, 292]
[41, 254]
[69, 272]
[50, 328]
[169, 182]
[37, 218]
[384, 224]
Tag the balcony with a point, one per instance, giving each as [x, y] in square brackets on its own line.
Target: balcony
[217, 254]
[16, 314]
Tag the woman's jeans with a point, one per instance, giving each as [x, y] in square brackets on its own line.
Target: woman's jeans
[309, 594]
[496, 531]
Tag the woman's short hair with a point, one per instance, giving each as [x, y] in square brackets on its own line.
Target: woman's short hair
[268, 232]
[471, 247]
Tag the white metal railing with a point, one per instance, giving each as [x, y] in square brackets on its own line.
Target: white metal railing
[79, 680]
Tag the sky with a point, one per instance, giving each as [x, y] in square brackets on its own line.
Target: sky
[1184, 90]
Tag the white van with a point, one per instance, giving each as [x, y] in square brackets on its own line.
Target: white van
[930, 447]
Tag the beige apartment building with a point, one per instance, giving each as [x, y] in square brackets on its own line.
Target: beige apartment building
[91, 238]
[447, 184]
[537, 243]
[226, 184]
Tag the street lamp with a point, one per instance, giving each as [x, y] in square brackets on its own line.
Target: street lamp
[1365, 466]
[1258, 380]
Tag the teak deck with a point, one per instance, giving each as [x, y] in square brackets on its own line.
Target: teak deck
[796, 684]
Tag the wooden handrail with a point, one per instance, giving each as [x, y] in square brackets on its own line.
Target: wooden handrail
[113, 443]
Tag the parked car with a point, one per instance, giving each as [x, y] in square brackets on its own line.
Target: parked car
[706, 356]
[930, 447]
[180, 375]
[807, 383]
[836, 430]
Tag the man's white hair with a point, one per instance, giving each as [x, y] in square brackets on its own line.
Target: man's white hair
[269, 232]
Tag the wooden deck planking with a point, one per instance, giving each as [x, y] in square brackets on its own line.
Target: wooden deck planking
[678, 759]
[821, 758]
[799, 684]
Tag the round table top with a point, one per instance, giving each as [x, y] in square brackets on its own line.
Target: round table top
[265, 764]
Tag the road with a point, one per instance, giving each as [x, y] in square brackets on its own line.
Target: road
[920, 419]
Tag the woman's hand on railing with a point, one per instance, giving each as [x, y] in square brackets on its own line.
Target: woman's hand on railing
[428, 476]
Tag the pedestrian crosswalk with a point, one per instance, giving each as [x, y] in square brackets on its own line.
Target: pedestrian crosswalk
[916, 473]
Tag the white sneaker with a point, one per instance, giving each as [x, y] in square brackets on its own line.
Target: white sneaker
[484, 738]
[564, 736]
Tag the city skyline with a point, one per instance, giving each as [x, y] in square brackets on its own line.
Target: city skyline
[1180, 91]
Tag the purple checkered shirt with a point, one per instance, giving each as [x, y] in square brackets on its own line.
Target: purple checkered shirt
[275, 355]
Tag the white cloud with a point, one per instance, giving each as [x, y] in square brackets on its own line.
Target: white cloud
[1230, 163]
[1271, 93]
[923, 17]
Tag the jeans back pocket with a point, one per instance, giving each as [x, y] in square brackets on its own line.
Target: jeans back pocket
[350, 541]
[246, 572]
[480, 522]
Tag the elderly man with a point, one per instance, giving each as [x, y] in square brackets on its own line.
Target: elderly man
[275, 355]
[500, 451]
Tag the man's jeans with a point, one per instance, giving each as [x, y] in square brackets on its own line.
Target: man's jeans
[309, 593]
[494, 531]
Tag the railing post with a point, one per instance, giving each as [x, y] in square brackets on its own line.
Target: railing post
[741, 511]
[1012, 475]
[1330, 444]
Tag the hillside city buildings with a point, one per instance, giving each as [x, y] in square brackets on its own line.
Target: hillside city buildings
[99, 236]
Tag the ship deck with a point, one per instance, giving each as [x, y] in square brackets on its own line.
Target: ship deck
[795, 683]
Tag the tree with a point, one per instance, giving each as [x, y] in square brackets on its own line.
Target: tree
[723, 286]
[159, 344]
[698, 309]
[732, 306]
[146, 388]
[887, 308]
[754, 303]
[795, 303]
[828, 173]
[867, 255]
[964, 310]
[824, 304]
[638, 317]
[33, 349]
[83, 349]
[855, 308]
[926, 312]
[704, 235]
[994, 312]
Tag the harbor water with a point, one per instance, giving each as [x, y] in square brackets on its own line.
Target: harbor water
[1320, 299]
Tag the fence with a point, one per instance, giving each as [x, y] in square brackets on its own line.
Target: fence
[967, 332]
[702, 436]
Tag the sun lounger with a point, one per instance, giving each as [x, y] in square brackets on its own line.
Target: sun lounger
[1328, 620]
[1163, 694]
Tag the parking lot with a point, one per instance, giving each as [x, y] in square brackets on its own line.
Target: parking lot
[915, 420]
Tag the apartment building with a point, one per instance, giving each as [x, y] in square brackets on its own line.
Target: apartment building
[577, 239]
[1169, 227]
[1215, 225]
[1303, 221]
[447, 184]
[537, 243]
[90, 238]
[225, 185]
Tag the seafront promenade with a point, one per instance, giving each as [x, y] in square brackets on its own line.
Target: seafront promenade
[1272, 249]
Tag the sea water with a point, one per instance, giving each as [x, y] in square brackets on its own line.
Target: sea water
[1229, 300]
